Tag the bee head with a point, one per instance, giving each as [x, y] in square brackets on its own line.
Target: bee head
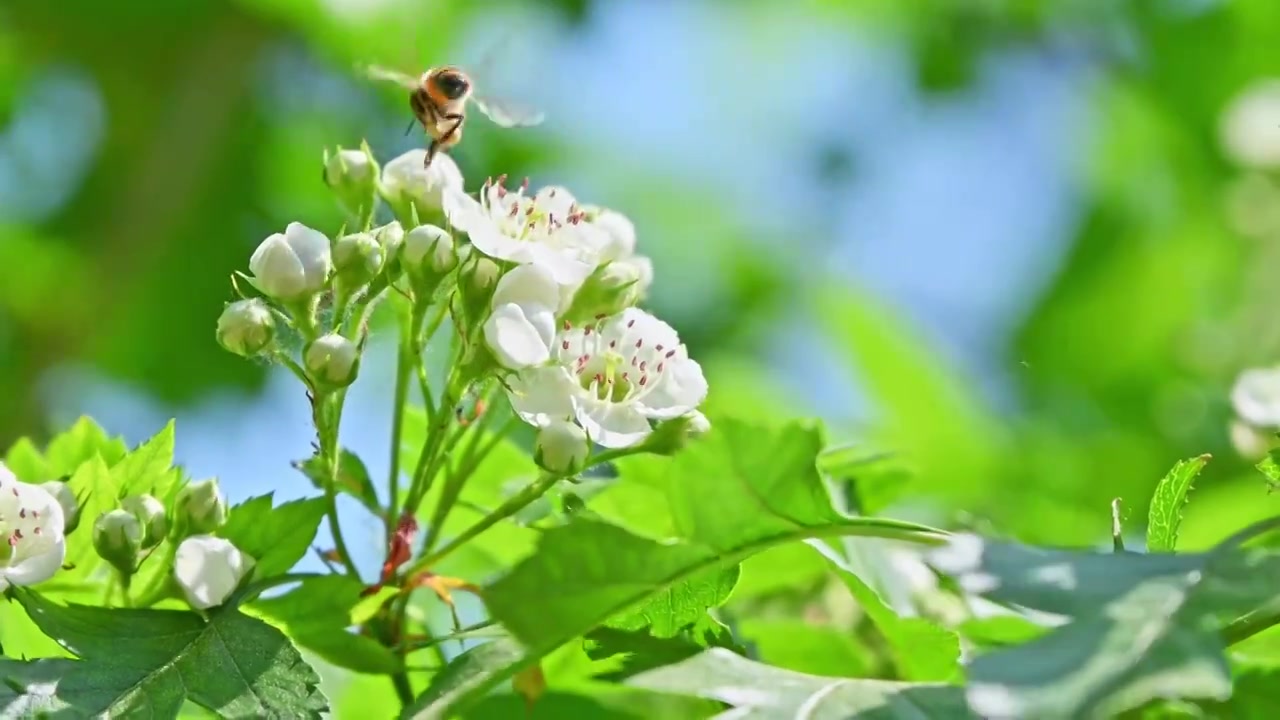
[452, 84]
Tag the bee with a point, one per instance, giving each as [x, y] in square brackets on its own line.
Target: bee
[439, 100]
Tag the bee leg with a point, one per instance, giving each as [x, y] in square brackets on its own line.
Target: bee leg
[444, 140]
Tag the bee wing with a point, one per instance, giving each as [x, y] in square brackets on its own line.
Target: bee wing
[377, 72]
[507, 113]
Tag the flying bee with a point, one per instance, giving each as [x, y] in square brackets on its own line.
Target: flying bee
[439, 99]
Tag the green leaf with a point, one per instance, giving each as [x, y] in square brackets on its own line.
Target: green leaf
[922, 651]
[1000, 630]
[759, 691]
[1142, 626]
[149, 661]
[739, 490]
[79, 444]
[1166, 506]
[27, 463]
[277, 539]
[635, 651]
[466, 677]
[668, 613]
[793, 643]
[353, 478]
[317, 614]
[144, 469]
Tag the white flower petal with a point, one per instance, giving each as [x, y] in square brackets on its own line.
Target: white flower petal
[678, 390]
[527, 286]
[33, 523]
[612, 425]
[516, 342]
[208, 569]
[542, 394]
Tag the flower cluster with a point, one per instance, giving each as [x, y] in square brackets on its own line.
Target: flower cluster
[542, 289]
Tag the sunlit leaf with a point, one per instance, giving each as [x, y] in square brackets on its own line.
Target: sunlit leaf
[1167, 504]
[759, 691]
[276, 538]
[150, 661]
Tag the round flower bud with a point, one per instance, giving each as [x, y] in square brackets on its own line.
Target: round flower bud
[150, 512]
[352, 175]
[561, 447]
[415, 193]
[117, 536]
[293, 265]
[332, 360]
[67, 500]
[199, 508]
[672, 435]
[390, 236]
[620, 231]
[246, 327]
[607, 291]
[209, 569]
[430, 248]
[357, 258]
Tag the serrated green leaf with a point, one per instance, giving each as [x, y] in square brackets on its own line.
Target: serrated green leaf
[466, 677]
[634, 651]
[276, 538]
[317, 614]
[353, 478]
[738, 491]
[1167, 503]
[80, 443]
[922, 650]
[668, 613]
[761, 692]
[149, 661]
[27, 463]
[1142, 626]
[144, 469]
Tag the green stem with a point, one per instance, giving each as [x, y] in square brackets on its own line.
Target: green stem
[327, 424]
[404, 690]
[1252, 623]
[457, 480]
[405, 361]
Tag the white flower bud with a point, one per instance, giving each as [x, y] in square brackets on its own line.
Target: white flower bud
[32, 538]
[352, 175]
[698, 425]
[357, 258]
[150, 512]
[292, 265]
[332, 360]
[430, 248]
[390, 236]
[246, 327]
[561, 447]
[481, 276]
[414, 191]
[199, 508]
[208, 569]
[608, 291]
[67, 499]
[117, 536]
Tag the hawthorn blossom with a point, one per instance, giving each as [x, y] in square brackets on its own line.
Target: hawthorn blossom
[407, 186]
[522, 327]
[294, 264]
[32, 540]
[547, 229]
[208, 569]
[612, 378]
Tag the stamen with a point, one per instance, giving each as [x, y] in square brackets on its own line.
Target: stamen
[524, 185]
[670, 353]
[22, 513]
[643, 364]
[660, 366]
[564, 345]
[639, 342]
[644, 379]
[630, 323]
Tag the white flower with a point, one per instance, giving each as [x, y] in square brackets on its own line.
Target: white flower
[332, 359]
[620, 231]
[547, 229]
[523, 325]
[32, 540]
[1250, 126]
[1256, 397]
[292, 265]
[613, 378]
[246, 327]
[405, 183]
[208, 569]
[561, 447]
